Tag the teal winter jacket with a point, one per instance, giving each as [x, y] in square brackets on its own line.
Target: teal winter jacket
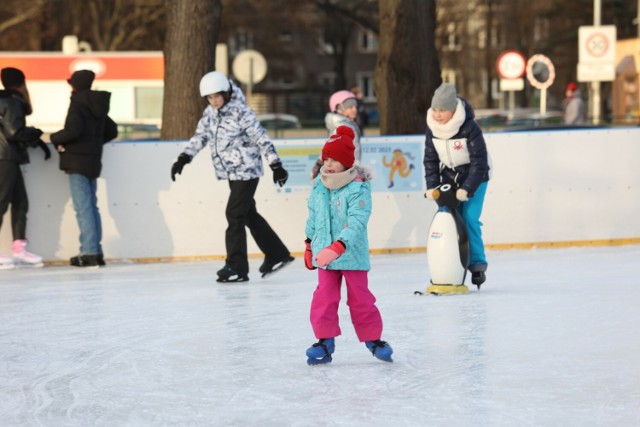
[341, 214]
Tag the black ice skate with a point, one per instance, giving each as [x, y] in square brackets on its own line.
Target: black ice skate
[269, 267]
[87, 261]
[478, 278]
[227, 274]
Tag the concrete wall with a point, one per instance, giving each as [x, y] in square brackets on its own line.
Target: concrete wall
[561, 187]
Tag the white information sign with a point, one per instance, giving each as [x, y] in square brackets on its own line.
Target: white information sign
[596, 53]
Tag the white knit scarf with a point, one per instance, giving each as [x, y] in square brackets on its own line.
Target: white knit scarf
[336, 180]
[449, 129]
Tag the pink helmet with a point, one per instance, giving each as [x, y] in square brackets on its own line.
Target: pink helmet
[338, 98]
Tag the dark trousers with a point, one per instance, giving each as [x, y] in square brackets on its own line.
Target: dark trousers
[14, 193]
[241, 212]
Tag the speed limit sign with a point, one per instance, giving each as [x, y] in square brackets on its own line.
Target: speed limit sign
[511, 64]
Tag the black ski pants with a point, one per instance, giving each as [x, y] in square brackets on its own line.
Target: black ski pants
[13, 192]
[241, 212]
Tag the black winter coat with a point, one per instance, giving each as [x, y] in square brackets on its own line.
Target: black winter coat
[467, 176]
[86, 128]
[15, 136]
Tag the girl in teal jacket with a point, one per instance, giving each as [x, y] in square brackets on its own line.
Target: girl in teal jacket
[337, 245]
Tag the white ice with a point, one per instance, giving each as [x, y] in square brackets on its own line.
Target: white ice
[552, 339]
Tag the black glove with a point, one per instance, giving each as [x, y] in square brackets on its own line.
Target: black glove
[183, 159]
[280, 175]
[47, 151]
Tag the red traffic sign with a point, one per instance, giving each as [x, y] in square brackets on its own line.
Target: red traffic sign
[511, 64]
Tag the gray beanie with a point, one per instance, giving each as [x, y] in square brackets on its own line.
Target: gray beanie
[445, 98]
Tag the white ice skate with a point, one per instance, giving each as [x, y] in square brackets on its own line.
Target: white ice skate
[6, 263]
[23, 257]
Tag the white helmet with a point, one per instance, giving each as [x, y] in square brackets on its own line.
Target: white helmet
[214, 82]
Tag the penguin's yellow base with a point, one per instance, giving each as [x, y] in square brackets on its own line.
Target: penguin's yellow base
[447, 289]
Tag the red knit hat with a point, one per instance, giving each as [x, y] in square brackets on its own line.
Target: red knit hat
[340, 146]
[572, 86]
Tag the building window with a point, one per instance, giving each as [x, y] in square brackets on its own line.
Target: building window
[325, 46]
[367, 42]
[452, 42]
[327, 79]
[285, 36]
[367, 86]
[240, 40]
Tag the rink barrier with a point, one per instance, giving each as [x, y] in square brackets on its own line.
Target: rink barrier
[549, 189]
[505, 246]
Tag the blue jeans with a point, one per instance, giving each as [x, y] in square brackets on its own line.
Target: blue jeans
[85, 203]
[471, 211]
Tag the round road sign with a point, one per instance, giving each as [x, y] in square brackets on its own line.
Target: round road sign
[597, 45]
[540, 72]
[249, 67]
[511, 64]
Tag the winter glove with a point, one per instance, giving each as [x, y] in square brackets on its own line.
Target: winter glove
[330, 253]
[308, 255]
[43, 146]
[429, 194]
[462, 195]
[183, 159]
[280, 175]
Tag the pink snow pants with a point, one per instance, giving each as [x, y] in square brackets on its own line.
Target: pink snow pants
[362, 305]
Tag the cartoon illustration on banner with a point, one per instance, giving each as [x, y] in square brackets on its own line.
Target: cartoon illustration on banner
[396, 166]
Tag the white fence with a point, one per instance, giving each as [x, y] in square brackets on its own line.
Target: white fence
[563, 187]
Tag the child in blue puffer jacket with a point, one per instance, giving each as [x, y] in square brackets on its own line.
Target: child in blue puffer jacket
[337, 244]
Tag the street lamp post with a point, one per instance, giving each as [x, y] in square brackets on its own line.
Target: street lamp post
[595, 86]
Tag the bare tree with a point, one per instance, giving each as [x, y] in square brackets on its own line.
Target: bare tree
[20, 12]
[189, 53]
[117, 24]
[407, 69]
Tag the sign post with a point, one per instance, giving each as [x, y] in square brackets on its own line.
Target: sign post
[511, 66]
[541, 73]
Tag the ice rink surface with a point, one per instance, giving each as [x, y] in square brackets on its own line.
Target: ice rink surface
[552, 339]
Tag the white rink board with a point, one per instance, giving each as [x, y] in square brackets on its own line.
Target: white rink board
[547, 186]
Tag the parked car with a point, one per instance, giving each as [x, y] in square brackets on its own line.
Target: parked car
[278, 121]
[521, 118]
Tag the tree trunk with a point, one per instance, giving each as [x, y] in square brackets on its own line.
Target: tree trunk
[189, 53]
[407, 69]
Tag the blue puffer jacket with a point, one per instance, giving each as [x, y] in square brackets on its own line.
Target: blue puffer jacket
[236, 139]
[341, 214]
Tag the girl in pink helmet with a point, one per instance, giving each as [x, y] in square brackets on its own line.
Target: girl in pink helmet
[343, 110]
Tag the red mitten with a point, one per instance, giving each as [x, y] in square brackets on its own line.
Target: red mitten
[308, 255]
[330, 253]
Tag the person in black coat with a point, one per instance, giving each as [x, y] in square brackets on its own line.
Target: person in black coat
[87, 127]
[15, 137]
[455, 153]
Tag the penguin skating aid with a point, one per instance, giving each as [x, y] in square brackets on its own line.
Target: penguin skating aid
[447, 245]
